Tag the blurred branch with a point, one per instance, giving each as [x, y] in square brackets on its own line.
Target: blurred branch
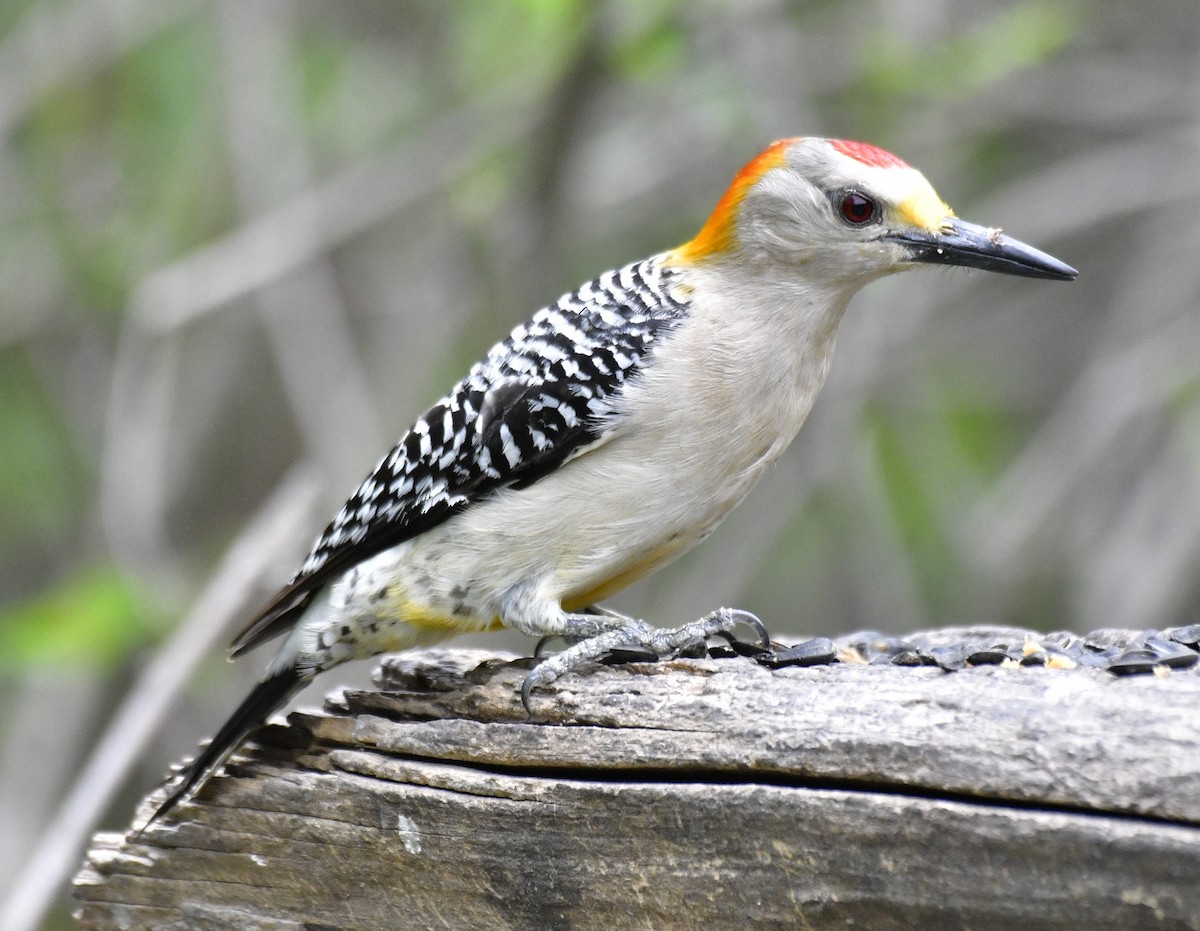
[1096, 93]
[1100, 186]
[290, 235]
[1113, 392]
[1146, 572]
[270, 533]
[133, 488]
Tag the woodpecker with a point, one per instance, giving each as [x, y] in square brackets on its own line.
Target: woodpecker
[612, 432]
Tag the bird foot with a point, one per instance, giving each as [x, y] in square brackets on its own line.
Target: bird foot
[644, 642]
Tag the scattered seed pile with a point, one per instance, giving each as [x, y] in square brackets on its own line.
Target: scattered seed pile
[1120, 652]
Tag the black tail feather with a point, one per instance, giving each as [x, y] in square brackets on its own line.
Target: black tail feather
[266, 697]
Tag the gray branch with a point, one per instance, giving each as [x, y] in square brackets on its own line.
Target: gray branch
[698, 793]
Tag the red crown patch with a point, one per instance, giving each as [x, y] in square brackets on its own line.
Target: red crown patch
[868, 154]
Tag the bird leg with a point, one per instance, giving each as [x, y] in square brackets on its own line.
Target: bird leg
[598, 634]
[591, 612]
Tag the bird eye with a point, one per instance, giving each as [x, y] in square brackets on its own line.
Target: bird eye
[857, 209]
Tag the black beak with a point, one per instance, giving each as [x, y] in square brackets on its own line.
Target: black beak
[974, 246]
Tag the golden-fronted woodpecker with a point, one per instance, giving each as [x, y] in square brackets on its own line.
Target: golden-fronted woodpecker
[612, 432]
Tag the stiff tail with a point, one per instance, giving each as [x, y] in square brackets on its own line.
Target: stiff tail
[266, 697]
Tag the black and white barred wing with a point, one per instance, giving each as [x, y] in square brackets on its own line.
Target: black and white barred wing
[538, 399]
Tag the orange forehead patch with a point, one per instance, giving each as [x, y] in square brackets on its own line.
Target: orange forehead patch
[718, 233]
[868, 154]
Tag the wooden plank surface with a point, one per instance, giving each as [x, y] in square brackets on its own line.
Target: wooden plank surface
[698, 793]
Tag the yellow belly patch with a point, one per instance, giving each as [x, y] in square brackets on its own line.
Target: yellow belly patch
[426, 619]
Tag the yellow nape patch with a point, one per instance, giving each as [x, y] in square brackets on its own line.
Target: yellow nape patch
[924, 210]
[719, 233]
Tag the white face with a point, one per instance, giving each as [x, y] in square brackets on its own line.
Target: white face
[828, 213]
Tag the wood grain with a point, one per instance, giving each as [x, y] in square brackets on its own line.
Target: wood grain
[697, 793]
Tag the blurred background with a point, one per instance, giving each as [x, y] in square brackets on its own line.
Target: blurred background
[244, 243]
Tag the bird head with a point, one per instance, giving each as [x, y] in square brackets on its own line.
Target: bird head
[845, 213]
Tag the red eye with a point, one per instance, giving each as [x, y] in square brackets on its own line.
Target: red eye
[857, 208]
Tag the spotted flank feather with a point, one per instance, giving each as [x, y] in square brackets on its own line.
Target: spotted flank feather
[539, 398]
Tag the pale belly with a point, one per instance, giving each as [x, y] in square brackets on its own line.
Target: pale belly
[585, 532]
[570, 540]
[682, 460]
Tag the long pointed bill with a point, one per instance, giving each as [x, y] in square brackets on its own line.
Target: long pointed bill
[974, 246]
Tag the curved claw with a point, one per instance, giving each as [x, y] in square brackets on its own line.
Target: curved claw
[526, 689]
[541, 645]
[737, 616]
[535, 677]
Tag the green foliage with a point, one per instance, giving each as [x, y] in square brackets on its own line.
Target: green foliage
[911, 495]
[12, 13]
[122, 167]
[92, 619]
[933, 459]
[1014, 39]
[494, 41]
[42, 482]
[653, 43]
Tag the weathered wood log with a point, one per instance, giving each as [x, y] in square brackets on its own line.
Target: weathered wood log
[697, 793]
